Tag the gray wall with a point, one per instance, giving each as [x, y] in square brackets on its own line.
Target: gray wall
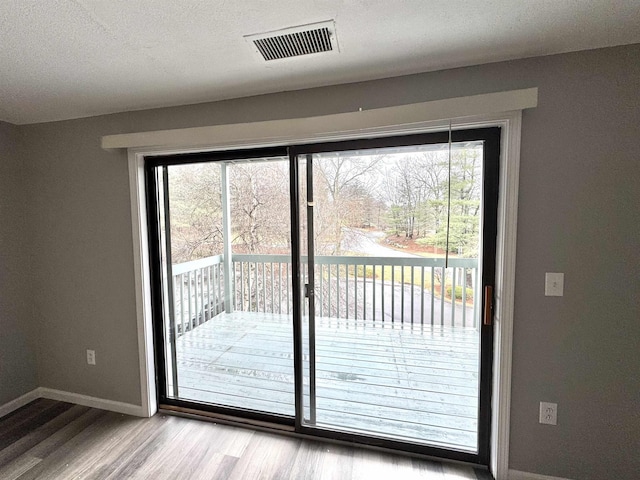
[578, 214]
[17, 357]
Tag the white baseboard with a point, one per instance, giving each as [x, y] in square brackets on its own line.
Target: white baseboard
[518, 475]
[93, 402]
[75, 398]
[21, 401]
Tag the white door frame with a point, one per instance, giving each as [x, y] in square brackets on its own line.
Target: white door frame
[509, 121]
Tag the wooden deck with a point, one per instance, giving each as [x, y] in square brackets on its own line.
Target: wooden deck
[403, 382]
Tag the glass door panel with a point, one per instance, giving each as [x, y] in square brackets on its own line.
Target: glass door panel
[226, 250]
[393, 263]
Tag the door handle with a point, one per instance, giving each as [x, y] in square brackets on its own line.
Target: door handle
[488, 304]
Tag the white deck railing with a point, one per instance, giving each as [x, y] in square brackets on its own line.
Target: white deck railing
[384, 290]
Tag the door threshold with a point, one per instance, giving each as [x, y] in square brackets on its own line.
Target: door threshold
[224, 419]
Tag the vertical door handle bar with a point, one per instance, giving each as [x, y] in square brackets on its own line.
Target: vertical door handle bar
[488, 304]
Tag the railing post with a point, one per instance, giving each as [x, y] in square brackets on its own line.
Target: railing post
[226, 235]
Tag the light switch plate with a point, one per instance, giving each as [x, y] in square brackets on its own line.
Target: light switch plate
[554, 284]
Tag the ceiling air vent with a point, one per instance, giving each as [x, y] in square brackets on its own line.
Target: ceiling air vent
[296, 41]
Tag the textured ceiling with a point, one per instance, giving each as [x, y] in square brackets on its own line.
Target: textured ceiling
[64, 59]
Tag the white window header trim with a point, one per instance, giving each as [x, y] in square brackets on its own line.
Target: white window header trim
[327, 127]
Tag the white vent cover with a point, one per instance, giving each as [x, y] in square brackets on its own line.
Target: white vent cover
[295, 41]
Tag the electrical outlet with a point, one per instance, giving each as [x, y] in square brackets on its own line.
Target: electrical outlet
[548, 413]
[554, 284]
[91, 357]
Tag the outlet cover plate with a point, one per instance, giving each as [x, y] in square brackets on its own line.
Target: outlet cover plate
[91, 357]
[548, 413]
[554, 284]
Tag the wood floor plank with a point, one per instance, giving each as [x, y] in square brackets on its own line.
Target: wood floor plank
[16, 431]
[24, 413]
[85, 451]
[130, 457]
[154, 464]
[309, 461]
[267, 456]
[18, 466]
[223, 439]
[36, 431]
[337, 462]
[59, 431]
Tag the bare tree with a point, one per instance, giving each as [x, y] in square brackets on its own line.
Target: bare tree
[348, 182]
[196, 211]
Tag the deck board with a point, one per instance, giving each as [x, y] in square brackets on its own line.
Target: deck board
[411, 382]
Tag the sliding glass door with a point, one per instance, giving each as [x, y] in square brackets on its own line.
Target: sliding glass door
[341, 289]
[398, 242]
[224, 258]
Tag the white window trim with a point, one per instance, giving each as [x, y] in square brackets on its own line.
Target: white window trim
[509, 121]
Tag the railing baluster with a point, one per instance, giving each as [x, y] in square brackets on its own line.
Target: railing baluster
[240, 289]
[203, 298]
[198, 289]
[422, 295]
[373, 313]
[189, 294]
[412, 292]
[402, 295]
[196, 299]
[199, 299]
[249, 286]
[182, 302]
[219, 282]
[288, 287]
[321, 275]
[453, 296]
[262, 303]
[264, 289]
[355, 294]
[476, 296]
[337, 290]
[212, 287]
[382, 292]
[201, 315]
[464, 296]
[208, 304]
[236, 290]
[433, 294]
[272, 286]
[346, 295]
[393, 294]
[255, 286]
[174, 281]
[364, 290]
[329, 292]
[280, 288]
[442, 292]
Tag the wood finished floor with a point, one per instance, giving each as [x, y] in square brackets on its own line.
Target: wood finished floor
[55, 440]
